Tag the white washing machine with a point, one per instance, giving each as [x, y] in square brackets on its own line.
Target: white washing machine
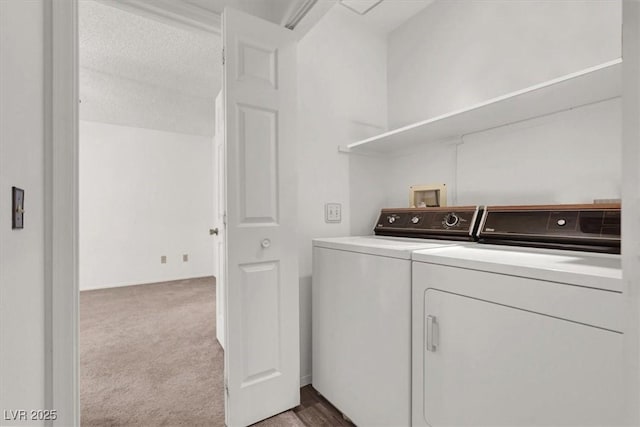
[361, 312]
[522, 336]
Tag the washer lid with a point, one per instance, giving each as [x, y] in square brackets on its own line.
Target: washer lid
[394, 247]
[593, 270]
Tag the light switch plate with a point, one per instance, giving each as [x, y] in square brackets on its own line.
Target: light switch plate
[333, 212]
[17, 206]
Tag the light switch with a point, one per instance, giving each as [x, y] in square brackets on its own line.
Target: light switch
[17, 205]
[333, 212]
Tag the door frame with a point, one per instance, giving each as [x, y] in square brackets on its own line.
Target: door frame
[61, 201]
[61, 128]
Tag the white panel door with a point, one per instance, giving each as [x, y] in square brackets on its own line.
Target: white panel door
[493, 365]
[221, 206]
[262, 354]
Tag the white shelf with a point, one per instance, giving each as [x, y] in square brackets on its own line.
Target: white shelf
[573, 90]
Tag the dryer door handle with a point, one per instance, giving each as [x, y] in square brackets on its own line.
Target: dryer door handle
[432, 333]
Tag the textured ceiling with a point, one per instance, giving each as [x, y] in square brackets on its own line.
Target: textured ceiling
[206, 14]
[140, 72]
[153, 73]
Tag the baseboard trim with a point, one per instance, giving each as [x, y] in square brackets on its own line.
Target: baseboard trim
[124, 285]
[305, 380]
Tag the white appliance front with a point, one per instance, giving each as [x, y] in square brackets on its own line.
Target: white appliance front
[533, 340]
[361, 305]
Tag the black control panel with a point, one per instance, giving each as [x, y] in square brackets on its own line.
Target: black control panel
[580, 227]
[455, 223]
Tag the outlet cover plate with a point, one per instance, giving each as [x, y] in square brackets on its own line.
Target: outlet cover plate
[333, 212]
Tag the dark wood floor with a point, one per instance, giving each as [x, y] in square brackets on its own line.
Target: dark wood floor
[314, 410]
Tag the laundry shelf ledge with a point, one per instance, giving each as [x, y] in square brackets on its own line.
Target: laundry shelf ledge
[584, 87]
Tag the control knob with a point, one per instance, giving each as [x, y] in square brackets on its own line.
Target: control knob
[451, 220]
[415, 219]
[391, 219]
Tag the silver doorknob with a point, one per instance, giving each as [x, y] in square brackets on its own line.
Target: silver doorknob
[213, 231]
[265, 243]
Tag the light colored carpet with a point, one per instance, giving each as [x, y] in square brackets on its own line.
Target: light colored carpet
[149, 356]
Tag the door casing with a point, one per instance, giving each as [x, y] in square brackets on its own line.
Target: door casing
[61, 210]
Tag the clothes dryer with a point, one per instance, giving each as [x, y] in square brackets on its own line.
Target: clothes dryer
[518, 335]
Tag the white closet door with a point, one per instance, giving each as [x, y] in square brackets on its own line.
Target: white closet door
[262, 355]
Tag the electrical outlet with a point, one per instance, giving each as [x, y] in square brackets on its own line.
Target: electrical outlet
[185, 258]
[333, 212]
[163, 259]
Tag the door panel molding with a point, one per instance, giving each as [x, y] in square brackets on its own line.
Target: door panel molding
[258, 171]
[257, 62]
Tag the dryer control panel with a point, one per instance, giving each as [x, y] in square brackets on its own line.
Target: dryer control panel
[456, 223]
[576, 227]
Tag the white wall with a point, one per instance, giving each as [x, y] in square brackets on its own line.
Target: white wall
[431, 164]
[456, 53]
[22, 288]
[143, 193]
[569, 157]
[342, 97]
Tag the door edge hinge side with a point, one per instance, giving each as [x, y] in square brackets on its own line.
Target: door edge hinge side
[223, 56]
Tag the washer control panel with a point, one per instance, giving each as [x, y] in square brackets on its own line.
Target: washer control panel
[446, 222]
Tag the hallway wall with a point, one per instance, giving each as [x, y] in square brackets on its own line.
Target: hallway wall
[144, 193]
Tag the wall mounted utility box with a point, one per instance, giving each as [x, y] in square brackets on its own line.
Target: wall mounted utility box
[17, 207]
[428, 196]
